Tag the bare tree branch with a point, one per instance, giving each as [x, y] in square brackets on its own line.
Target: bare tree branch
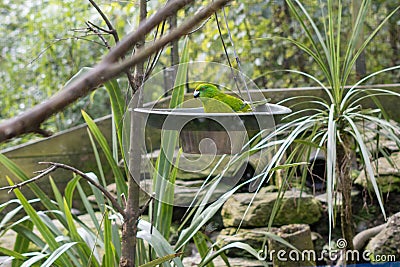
[95, 29]
[107, 194]
[20, 185]
[106, 20]
[107, 69]
[55, 41]
[99, 28]
[147, 204]
[53, 167]
[114, 33]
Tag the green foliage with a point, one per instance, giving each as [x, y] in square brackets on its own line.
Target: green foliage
[252, 22]
[200, 241]
[55, 248]
[119, 177]
[41, 48]
[40, 51]
[164, 175]
[180, 80]
[75, 244]
[334, 119]
[335, 125]
[260, 31]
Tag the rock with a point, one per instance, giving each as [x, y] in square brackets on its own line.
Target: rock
[5, 262]
[293, 209]
[199, 166]
[298, 235]
[387, 242]
[388, 177]
[323, 198]
[7, 240]
[389, 183]
[195, 259]
[385, 144]
[253, 237]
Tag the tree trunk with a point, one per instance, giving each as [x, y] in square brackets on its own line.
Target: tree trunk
[129, 227]
[345, 184]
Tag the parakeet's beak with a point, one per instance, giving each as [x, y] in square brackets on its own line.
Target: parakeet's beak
[196, 94]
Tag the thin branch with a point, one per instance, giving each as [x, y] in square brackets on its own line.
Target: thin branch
[106, 20]
[34, 179]
[129, 226]
[131, 39]
[53, 167]
[114, 33]
[107, 69]
[107, 194]
[151, 66]
[146, 205]
[99, 28]
[55, 41]
[92, 27]
[88, 30]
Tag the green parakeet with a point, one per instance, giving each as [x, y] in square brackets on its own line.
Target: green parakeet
[215, 101]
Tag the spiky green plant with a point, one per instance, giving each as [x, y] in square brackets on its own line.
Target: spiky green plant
[334, 126]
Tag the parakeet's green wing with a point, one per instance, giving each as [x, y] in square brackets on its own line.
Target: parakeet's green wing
[235, 103]
[212, 105]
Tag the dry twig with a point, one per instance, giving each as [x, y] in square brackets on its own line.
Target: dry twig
[111, 30]
[53, 167]
[41, 174]
[107, 194]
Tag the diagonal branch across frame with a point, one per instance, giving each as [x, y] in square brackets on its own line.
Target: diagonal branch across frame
[108, 68]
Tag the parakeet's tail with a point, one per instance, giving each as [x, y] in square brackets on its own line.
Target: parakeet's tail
[256, 104]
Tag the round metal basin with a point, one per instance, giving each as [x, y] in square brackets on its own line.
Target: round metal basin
[265, 116]
[213, 133]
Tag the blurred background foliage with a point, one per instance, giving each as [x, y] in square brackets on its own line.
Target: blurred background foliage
[43, 43]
